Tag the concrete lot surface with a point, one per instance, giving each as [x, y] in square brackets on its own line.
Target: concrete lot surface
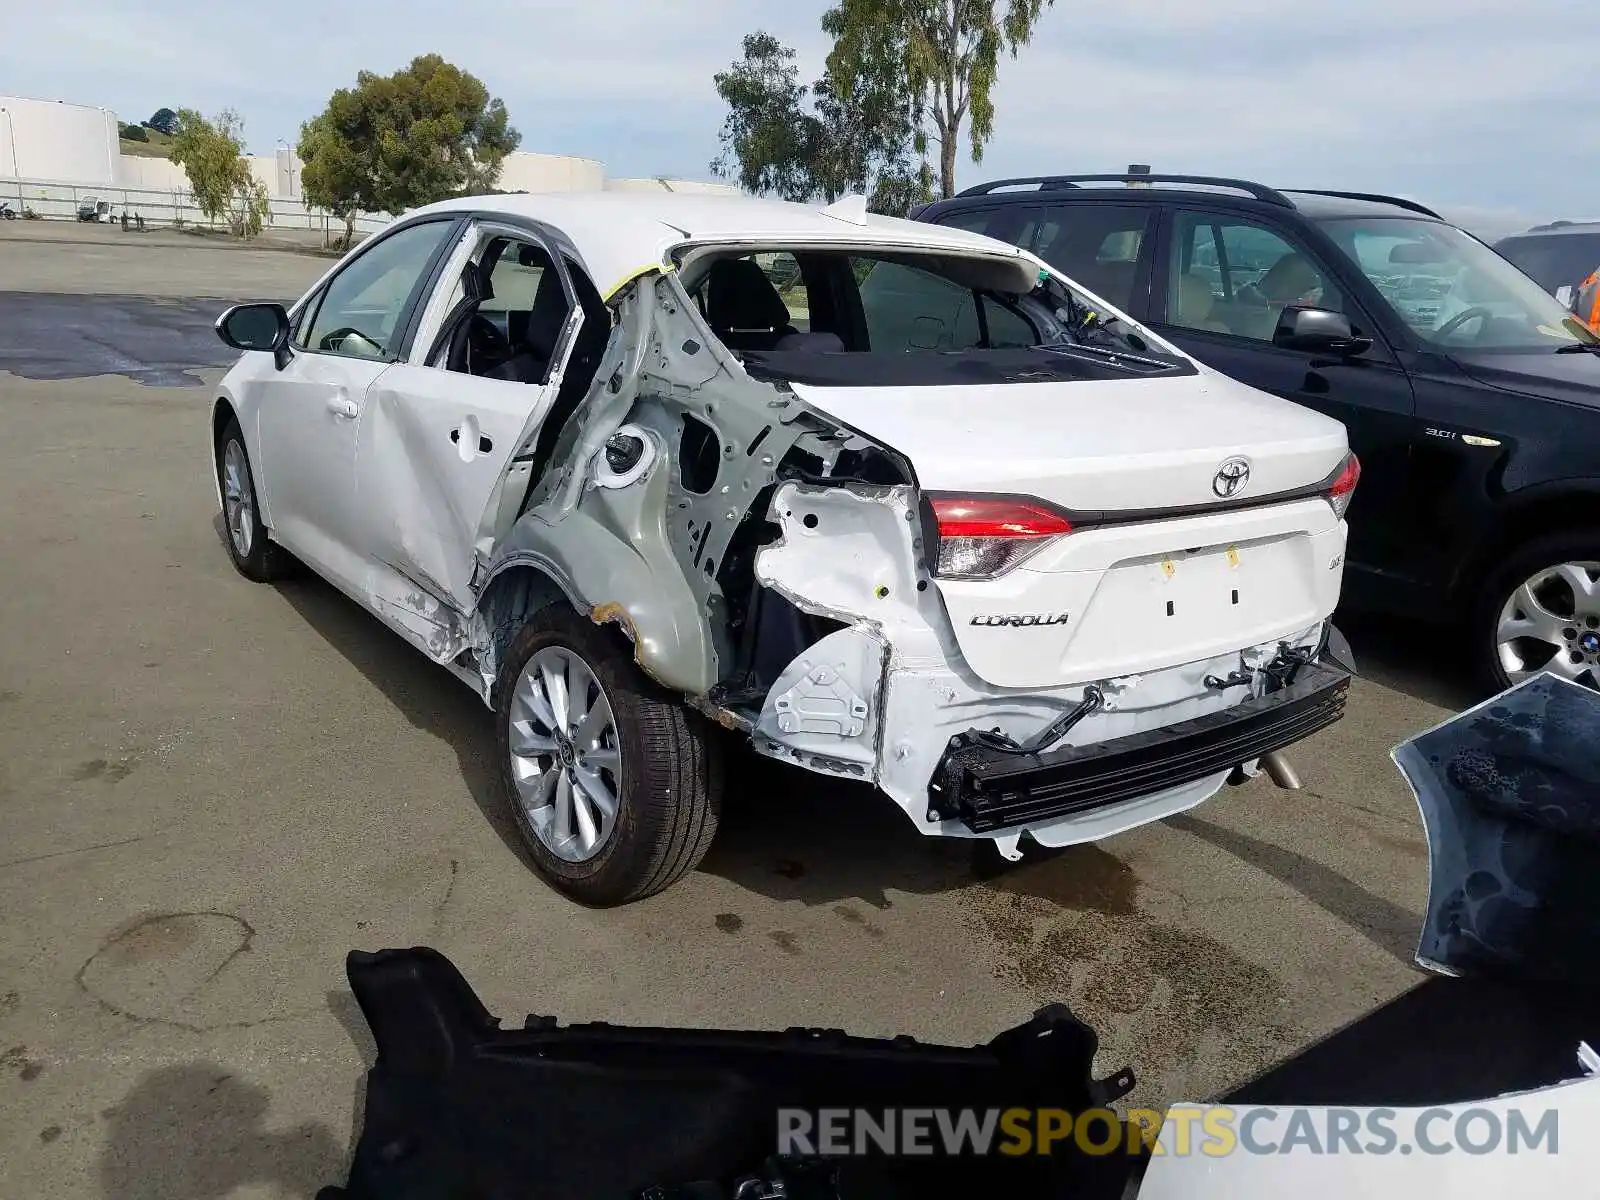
[210, 790]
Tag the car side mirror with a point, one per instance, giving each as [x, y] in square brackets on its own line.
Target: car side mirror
[257, 327]
[1319, 330]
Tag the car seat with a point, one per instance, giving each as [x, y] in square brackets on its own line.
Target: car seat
[1288, 281]
[530, 358]
[743, 308]
[1192, 306]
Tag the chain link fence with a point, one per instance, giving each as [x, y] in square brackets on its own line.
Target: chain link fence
[162, 207]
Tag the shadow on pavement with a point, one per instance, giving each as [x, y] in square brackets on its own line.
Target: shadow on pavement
[196, 1132]
[1424, 662]
[789, 835]
[427, 695]
[1383, 923]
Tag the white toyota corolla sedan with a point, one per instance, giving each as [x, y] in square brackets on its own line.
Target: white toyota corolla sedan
[890, 500]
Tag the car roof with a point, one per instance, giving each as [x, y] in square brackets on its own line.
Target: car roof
[1312, 204]
[1559, 229]
[1322, 208]
[621, 235]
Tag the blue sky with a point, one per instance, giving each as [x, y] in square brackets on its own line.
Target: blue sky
[1477, 107]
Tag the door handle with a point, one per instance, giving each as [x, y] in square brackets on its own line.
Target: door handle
[485, 443]
[342, 406]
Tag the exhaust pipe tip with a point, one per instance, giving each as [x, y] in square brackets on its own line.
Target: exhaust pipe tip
[1280, 771]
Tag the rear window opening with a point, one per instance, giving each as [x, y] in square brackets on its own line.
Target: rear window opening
[848, 318]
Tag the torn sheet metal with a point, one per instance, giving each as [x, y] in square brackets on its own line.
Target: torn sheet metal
[1510, 797]
[648, 550]
[854, 554]
[823, 712]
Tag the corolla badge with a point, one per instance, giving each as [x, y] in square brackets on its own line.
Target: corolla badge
[1231, 477]
[1019, 620]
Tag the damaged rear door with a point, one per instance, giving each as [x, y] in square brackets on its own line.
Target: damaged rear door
[436, 444]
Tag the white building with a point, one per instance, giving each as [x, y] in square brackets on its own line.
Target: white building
[51, 139]
[53, 142]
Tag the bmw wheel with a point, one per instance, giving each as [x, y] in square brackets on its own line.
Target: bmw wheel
[1541, 612]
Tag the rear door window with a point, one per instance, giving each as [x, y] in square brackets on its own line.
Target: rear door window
[1096, 245]
[907, 308]
[999, 222]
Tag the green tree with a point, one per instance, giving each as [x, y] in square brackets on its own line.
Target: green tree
[783, 138]
[212, 155]
[163, 120]
[133, 133]
[428, 132]
[941, 55]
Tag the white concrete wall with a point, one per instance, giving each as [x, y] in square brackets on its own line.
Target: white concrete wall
[49, 139]
[136, 171]
[523, 172]
[273, 174]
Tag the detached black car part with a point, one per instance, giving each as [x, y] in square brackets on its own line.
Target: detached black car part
[458, 1107]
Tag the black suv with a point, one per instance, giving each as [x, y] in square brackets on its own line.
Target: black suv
[1558, 255]
[1471, 396]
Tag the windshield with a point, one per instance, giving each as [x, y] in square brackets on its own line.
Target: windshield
[1453, 291]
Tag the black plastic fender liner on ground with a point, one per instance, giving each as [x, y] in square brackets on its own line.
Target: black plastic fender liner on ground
[458, 1107]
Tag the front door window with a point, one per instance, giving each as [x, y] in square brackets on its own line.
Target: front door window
[359, 311]
[1235, 276]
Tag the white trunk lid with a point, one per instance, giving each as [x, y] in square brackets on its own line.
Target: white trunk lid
[1092, 445]
[1140, 595]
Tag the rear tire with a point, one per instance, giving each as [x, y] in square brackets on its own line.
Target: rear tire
[623, 744]
[1539, 610]
[250, 546]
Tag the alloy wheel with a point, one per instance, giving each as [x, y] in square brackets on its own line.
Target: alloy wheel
[566, 756]
[238, 499]
[1552, 623]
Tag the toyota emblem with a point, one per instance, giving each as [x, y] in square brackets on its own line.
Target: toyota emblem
[1231, 478]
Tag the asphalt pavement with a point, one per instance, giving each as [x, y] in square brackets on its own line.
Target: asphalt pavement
[211, 790]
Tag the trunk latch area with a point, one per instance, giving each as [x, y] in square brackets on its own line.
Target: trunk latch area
[1280, 672]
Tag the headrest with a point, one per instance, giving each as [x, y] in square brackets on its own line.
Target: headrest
[1288, 278]
[740, 296]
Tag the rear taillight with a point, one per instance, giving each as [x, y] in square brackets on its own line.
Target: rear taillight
[1343, 488]
[982, 537]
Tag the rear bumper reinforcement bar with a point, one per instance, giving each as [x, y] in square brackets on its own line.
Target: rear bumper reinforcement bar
[989, 788]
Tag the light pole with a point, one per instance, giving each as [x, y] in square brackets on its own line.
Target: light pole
[11, 127]
[289, 170]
